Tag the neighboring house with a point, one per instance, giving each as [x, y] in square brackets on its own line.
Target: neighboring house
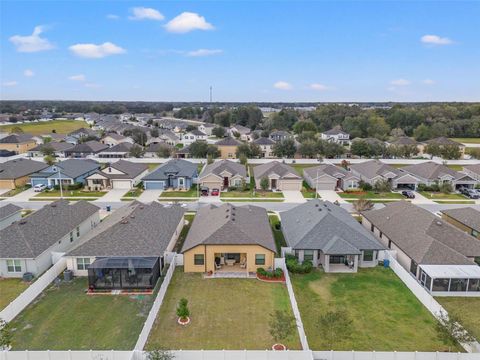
[228, 238]
[113, 139]
[430, 173]
[58, 148]
[15, 173]
[280, 135]
[242, 130]
[328, 235]
[118, 175]
[222, 175]
[19, 143]
[164, 137]
[473, 171]
[266, 147]
[443, 141]
[228, 148]
[69, 172]
[83, 150]
[119, 151]
[28, 245]
[152, 150]
[127, 250]
[336, 135]
[330, 177]
[466, 219]
[183, 153]
[206, 128]
[9, 214]
[440, 256]
[192, 136]
[176, 174]
[75, 136]
[280, 176]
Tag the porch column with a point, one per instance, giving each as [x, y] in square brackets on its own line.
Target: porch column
[300, 256]
[315, 258]
[355, 263]
[326, 263]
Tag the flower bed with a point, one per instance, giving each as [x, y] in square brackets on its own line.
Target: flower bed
[270, 276]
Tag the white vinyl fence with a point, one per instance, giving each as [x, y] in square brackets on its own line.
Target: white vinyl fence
[35, 289]
[381, 355]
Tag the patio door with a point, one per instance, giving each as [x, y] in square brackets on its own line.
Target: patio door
[423, 278]
[337, 259]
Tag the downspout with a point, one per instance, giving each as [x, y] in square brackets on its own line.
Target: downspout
[205, 257]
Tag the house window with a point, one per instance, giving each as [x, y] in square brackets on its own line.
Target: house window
[82, 263]
[441, 284]
[372, 228]
[413, 267]
[368, 255]
[71, 236]
[181, 182]
[308, 255]
[259, 259]
[198, 259]
[238, 182]
[78, 231]
[14, 266]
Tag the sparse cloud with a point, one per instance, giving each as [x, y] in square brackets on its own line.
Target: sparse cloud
[28, 73]
[9, 83]
[435, 40]
[143, 13]
[186, 22]
[400, 82]
[94, 51]
[78, 77]
[112, 17]
[204, 52]
[282, 85]
[429, 82]
[318, 87]
[31, 43]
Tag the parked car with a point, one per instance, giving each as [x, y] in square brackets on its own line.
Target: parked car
[463, 191]
[39, 187]
[472, 194]
[408, 194]
[203, 191]
[215, 192]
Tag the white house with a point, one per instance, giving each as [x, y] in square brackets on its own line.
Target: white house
[192, 136]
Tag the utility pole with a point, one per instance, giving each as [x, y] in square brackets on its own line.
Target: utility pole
[211, 93]
[316, 186]
[60, 183]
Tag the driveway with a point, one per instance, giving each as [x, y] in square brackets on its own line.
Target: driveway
[420, 199]
[23, 196]
[331, 195]
[149, 195]
[112, 196]
[293, 196]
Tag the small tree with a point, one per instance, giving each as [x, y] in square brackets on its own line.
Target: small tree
[282, 325]
[5, 335]
[164, 151]
[449, 331]
[243, 159]
[182, 309]
[362, 204]
[382, 185]
[334, 325]
[218, 131]
[49, 159]
[160, 355]
[264, 183]
[445, 188]
[136, 151]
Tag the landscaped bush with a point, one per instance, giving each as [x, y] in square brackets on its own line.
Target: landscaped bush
[295, 267]
[277, 273]
[432, 188]
[365, 186]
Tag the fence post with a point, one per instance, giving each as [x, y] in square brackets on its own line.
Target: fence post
[70, 354]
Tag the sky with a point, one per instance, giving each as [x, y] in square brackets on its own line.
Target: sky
[259, 51]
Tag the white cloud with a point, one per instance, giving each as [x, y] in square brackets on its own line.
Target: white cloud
[113, 17]
[93, 51]
[435, 40]
[318, 87]
[143, 13]
[79, 77]
[31, 43]
[186, 22]
[28, 73]
[282, 85]
[9, 83]
[400, 82]
[428, 82]
[204, 52]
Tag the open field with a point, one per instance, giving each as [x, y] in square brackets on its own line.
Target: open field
[225, 314]
[370, 195]
[385, 315]
[466, 309]
[10, 289]
[64, 317]
[467, 140]
[47, 127]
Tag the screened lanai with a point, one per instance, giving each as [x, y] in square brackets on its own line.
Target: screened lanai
[451, 280]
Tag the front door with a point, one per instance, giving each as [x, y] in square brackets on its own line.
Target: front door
[225, 182]
[273, 184]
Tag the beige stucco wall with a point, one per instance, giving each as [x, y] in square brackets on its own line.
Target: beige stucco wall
[227, 152]
[211, 181]
[459, 225]
[19, 148]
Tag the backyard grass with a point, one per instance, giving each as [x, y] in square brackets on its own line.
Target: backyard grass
[47, 127]
[71, 193]
[441, 196]
[230, 314]
[192, 192]
[385, 315]
[370, 195]
[10, 289]
[301, 167]
[153, 166]
[277, 233]
[183, 234]
[64, 317]
[467, 140]
[467, 309]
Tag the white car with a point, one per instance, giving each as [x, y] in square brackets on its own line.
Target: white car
[39, 187]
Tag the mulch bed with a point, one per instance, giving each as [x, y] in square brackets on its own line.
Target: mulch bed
[280, 279]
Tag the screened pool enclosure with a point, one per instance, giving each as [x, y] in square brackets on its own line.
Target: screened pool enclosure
[120, 273]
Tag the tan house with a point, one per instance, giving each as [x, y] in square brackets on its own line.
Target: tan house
[119, 175]
[15, 173]
[228, 148]
[20, 143]
[222, 175]
[228, 238]
[280, 176]
[466, 219]
[266, 147]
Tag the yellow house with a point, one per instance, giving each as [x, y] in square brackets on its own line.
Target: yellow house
[228, 148]
[228, 238]
[16, 173]
[18, 143]
[466, 219]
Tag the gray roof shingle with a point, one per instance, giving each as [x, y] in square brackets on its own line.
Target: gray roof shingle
[73, 167]
[130, 169]
[18, 168]
[176, 167]
[56, 146]
[16, 139]
[9, 209]
[228, 141]
[224, 165]
[432, 171]
[372, 168]
[467, 216]
[275, 167]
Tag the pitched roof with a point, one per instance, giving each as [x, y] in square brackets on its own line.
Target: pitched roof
[130, 169]
[133, 230]
[31, 236]
[403, 140]
[56, 146]
[121, 147]
[467, 216]
[240, 128]
[275, 167]
[18, 168]
[115, 136]
[89, 146]
[373, 168]
[473, 168]
[9, 209]
[228, 224]
[72, 168]
[432, 171]
[154, 148]
[423, 236]
[328, 169]
[442, 140]
[319, 224]
[264, 141]
[228, 141]
[16, 139]
[218, 167]
[335, 131]
[176, 167]
[197, 132]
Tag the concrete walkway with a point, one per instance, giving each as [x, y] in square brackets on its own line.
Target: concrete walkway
[420, 199]
[293, 197]
[331, 195]
[149, 195]
[23, 196]
[112, 196]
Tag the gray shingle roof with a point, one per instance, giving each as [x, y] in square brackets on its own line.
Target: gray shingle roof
[18, 168]
[228, 141]
[137, 230]
[34, 234]
[224, 165]
[75, 167]
[403, 140]
[373, 168]
[443, 141]
[275, 167]
[154, 148]
[9, 209]
[467, 216]
[92, 146]
[473, 168]
[328, 169]
[16, 139]
[57, 146]
[319, 224]
[432, 171]
[122, 147]
[230, 225]
[131, 169]
[176, 167]
[423, 236]
[264, 141]
[115, 136]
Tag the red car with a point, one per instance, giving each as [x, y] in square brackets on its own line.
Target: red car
[215, 192]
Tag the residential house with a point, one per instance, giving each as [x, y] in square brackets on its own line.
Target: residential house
[222, 175]
[266, 147]
[118, 175]
[85, 149]
[466, 219]
[15, 173]
[439, 255]
[9, 214]
[183, 153]
[280, 176]
[28, 245]
[164, 137]
[242, 131]
[441, 142]
[113, 139]
[18, 143]
[327, 235]
[228, 148]
[68, 172]
[336, 135]
[176, 174]
[280, 135]
[190, 137]
[207, 128]
[76, 136]
[119, 151]
[127, 251]
[330, 177]
[229, 238]
[473, 171]
[58, 149]
[403, 142]
[152, 150]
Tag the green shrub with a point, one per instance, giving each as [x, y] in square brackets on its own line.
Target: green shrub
[295, 267]
[182, 309]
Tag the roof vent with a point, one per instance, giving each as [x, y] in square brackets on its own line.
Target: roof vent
[132, 216]
[125, 221]
[319, 209]
[316, 205]
[439, 223]
[53, 205]
[22, 222]
[141, 206]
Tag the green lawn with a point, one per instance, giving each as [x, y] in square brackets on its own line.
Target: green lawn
[456, 167]
[153, 166]
[16, 191]
[135, 192]
[47, 127]
[455, 202]
[65, 318]
[183, 233]
[307, 191]
[441, 196]
[249, 194]
[301, 167]
[230, 314]
[277, 234]
[370, 195]
[10, 289]
[466, 309]
[385, 315]
[467, 140]
[71, 193]
[192, 192]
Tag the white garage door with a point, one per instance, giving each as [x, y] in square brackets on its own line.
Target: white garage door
[291, 185]
[121, 184]
[212, 184]
[325, 186]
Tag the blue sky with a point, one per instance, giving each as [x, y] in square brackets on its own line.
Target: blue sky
[248, 50]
